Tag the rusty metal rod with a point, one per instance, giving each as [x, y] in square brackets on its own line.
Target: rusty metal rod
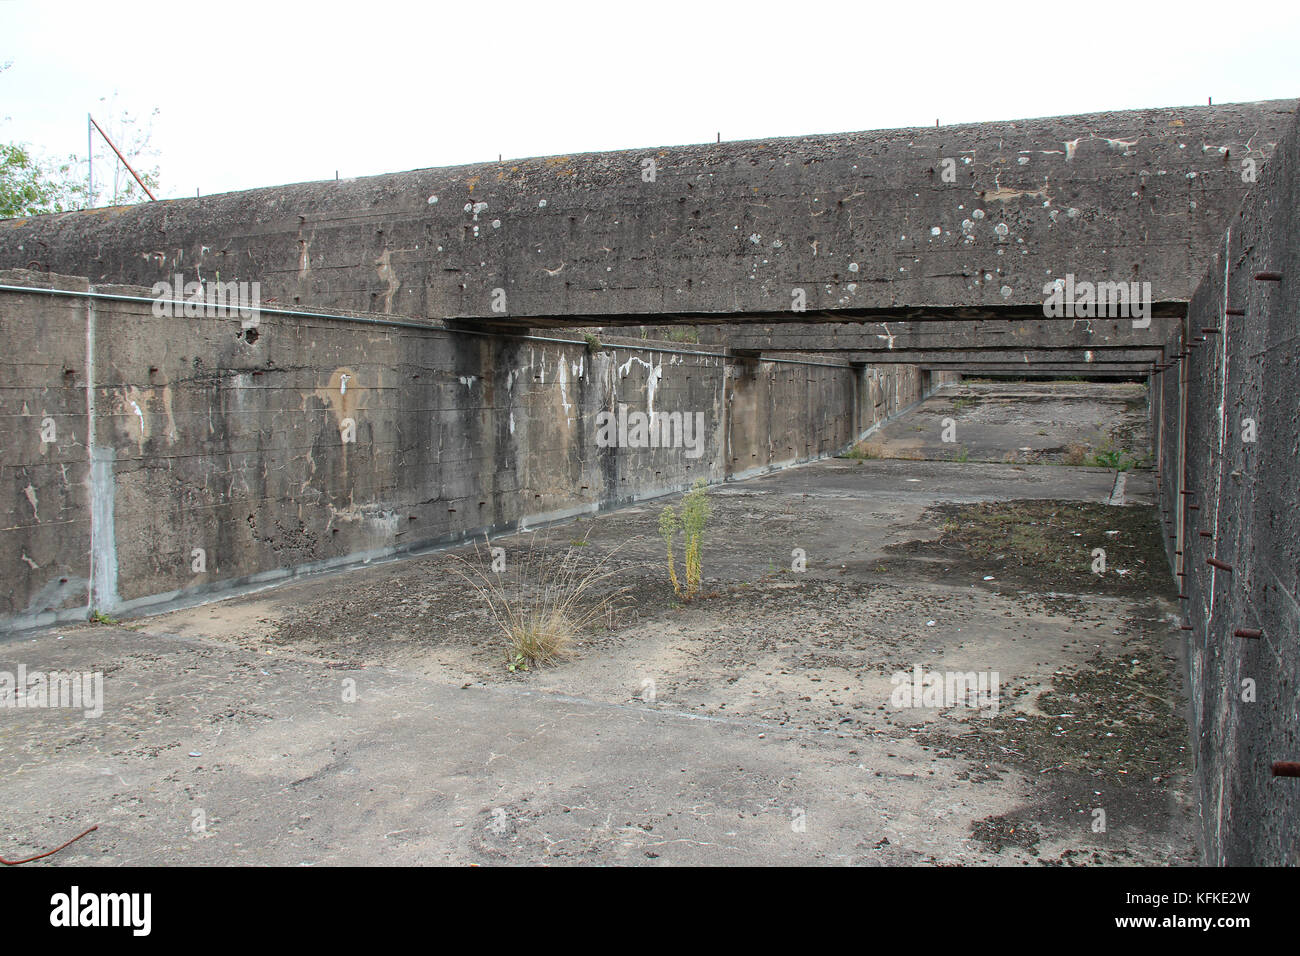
[1286, 768]
[1268, 276]
[1251, 632]
[1216, 563]
[151, 196]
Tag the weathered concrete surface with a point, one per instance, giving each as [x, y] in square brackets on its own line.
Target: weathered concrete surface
[961, 357]
[844, 337]
[771, 706]
[1048, 369]
[1229, 492]
[1042, 423]
[218, 456]
[970, 219]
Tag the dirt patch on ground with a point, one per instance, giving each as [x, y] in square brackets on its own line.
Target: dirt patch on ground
[1115, 717]
[423, 612]
[1104, 740]
[1049, 545]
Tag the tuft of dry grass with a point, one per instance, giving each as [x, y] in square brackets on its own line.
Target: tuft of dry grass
[541, 602]
[863, 451]
[1076, 454]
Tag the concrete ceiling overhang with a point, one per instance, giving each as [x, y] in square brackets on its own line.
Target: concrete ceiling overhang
[932, 224]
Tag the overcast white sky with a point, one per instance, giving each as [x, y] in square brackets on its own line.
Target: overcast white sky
[262, 93]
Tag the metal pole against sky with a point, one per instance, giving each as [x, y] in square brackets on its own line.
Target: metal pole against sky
[113, 147]
[90, 161]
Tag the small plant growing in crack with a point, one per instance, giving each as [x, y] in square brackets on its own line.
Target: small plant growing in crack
[691, 522]
[1117, 459]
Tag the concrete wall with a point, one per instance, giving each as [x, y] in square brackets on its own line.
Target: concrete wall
[167, 435]
[859, 221]
[1243, 494]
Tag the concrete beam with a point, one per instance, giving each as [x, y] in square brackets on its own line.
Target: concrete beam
[1001, 356]
[1023, 313]
[935, 333]
[1056, 373]
[1096, 368]
[966, 221]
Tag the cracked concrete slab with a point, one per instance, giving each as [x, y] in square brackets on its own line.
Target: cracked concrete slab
[368, 717]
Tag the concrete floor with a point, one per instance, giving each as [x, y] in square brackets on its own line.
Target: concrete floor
[752, 725]
[1035, 422]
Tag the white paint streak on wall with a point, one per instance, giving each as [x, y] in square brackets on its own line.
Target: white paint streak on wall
[651, 385]
[653, 377]
[140, 415]
[627, 366]
[562, 377]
